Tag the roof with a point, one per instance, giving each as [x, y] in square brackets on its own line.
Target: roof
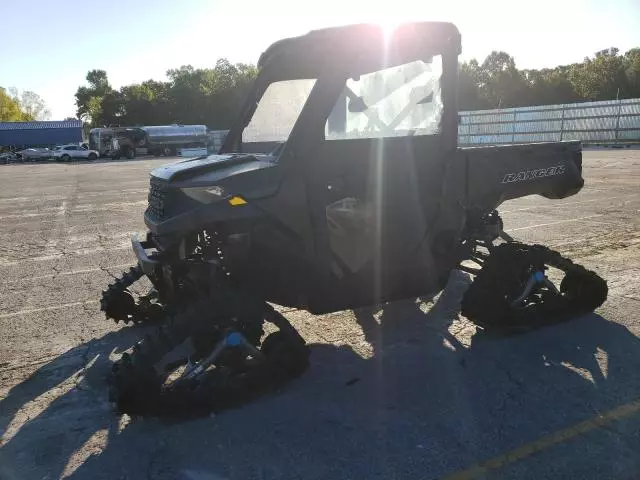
[40, 125]
[335, 40]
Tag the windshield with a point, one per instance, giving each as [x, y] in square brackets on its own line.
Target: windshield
[398, 101]
[277, 111]
[94, 140]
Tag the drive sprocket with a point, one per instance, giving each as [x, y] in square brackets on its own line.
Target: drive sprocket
[119, 303]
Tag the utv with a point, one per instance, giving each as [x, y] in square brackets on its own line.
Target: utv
[340, 185]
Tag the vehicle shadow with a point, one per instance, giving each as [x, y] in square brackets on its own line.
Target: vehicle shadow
[72, 386]
[434, 397]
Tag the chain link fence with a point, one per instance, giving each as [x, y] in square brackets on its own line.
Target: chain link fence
[590, 122]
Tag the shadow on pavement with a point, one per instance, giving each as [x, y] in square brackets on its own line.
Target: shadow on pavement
[424, 405]
[73, 389]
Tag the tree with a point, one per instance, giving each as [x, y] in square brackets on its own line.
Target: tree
[631, 63]
[25, 106]
[600, 78]
[99, 103]
[34, 106]
[498, 83]
[549, 86]
[502, 84]
[10, 109]
[98, 81]
[470, 87]
[213, 96]
[210, 96]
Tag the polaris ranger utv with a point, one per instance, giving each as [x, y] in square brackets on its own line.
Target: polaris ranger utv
[340, 185]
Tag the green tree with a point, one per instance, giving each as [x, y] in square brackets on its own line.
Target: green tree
[209, 96]
[496, 82]
[145, 103]
[549, 86]
[98, 103]
[502, 84]
[213, 96]
[470, 87]
[631, 63]
[10, 110]
[602, 77]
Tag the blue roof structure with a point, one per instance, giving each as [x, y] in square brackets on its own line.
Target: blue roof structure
[40, 133]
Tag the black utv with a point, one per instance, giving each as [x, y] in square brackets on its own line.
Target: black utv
[340, 185]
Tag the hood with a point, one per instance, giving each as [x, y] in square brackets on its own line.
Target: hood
[211, 167]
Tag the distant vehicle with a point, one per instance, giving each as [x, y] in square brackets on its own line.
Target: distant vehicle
[193, 152]
[34, 154]
[65, 153]
[168, 139]
[8, 157]
[116, 142]
[216, 139]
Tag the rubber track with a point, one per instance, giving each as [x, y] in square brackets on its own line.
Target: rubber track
[136, 388]
[486, 301]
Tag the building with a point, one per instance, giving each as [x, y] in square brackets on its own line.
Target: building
[40, 134]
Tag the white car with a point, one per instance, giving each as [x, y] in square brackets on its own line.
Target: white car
[34, 154]
[65, 153]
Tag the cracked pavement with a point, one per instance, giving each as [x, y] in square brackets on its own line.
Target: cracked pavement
[411, 390]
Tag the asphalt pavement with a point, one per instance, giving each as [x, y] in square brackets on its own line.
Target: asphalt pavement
[409, 391]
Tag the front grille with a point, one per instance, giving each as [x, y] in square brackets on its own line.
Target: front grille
[158, 191]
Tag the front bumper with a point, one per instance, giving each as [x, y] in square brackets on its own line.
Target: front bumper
[150, 266]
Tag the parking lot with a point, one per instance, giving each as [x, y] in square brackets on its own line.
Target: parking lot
[411, 391]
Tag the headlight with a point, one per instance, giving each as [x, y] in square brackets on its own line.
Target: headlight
[206, 194]
[216, 191]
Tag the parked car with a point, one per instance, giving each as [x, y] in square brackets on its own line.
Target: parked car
[65, 153]
[33, 154]
[8, 157]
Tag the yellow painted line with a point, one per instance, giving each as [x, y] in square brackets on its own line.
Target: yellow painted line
[546, 442]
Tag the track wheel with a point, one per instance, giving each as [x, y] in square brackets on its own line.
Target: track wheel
[120, 307]
[289, 355]
[585, 290]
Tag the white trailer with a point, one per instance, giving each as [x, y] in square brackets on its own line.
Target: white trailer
[169, 139]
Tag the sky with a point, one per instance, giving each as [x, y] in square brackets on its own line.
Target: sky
[49, 46]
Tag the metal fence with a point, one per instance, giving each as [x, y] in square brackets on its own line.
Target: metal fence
[611, 121]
